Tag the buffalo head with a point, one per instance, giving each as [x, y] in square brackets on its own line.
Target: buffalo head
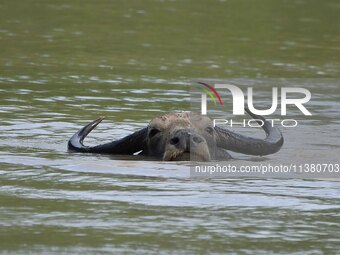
[183, 136]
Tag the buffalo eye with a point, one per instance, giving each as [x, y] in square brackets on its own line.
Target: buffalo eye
[210, 130]
[153, 132]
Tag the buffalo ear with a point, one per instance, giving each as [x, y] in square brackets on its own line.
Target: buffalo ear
[125, 146]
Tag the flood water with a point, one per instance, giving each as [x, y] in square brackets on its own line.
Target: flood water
[65, 63]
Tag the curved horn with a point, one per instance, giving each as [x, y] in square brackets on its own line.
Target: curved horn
[127, 145]
[235, 142]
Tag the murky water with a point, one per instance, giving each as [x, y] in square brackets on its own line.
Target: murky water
[65, 63]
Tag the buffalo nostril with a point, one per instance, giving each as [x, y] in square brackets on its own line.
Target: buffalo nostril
[174, 140]
[197, 139]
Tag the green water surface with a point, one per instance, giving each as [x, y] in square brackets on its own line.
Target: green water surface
[64, 63]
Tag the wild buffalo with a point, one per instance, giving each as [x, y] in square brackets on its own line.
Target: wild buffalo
[183, 136]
